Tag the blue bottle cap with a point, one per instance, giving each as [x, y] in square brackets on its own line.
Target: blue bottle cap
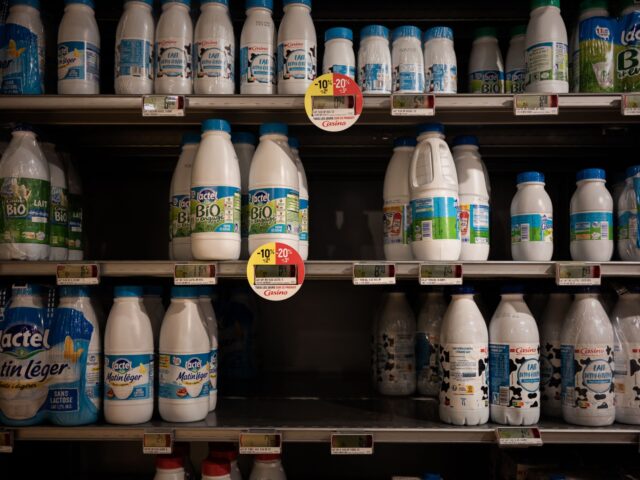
[374, 31]
[243, 137]
[512, 288]
[184, 292]
[215, 124]
[222, 2]
[205, 291]
[438, 32]
[74, 291]
[88, 3]
[294, 143]
[528, 177]
[485, 32]
[186, 2]
[274, 128]
[466, 140]
[338, 32]
[152, 290]
[29, 3]
[431, 476]
[463, 290]
[268, 4]
[191, 138]
[293, 2]
[406, 31]
[128, 291]
[633, 171]
[148, 2]
[430, 127]
[591, 174]
[404, 142]
[28, 289]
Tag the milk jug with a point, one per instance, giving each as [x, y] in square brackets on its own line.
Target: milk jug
[588, 9]
[474, 199]
[180, 217]
[204, 301]
[297, 48]
[338, 52]
[215, 195]
[169, 467]
[244, 144]
[591, 218]
[134, 49]
[407, 60]
[185, 354]
[486, 69]
[374, 61]
[531, 220]
[587, 363]
[214, 50]
[428, 371]
[515, 68]
[216, 470]
[464, 360]
[440, 63]
[226, 452]
[627, 208]
[258, 49]
[58, 205]
[128, 350]
[74, 213]
[303, 248]
[267, 467]
[173, 49]
[434, 198]
[25, 192]
[152, 301]
[78, 50]
[273, 190]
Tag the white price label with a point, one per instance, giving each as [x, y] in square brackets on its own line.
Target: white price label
[163, 106]
[157, 442]
[78, 274]
[519, 437]
[413, 105]
[630, 103]
[351, 444]
[441, 274]
[578, 274]
[529, 105]
[6, 441]
[195, 274]
[259, 443]
[374, 274]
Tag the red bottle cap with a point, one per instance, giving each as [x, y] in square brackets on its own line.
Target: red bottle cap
[169, 462]
[215, 468]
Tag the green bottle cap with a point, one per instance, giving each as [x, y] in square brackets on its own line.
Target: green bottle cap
[589, 4]
[518, 30]
[485, 32]
[544, 3]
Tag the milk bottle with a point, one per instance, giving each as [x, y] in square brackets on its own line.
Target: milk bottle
[627, 48]
[486, 69]
[214, 50]
[245, 146]
[25, 191]
[169, 467]
[627, 207]
[204, 301]
[407, 60]
[429, 374]
[78, 50]
[297, 48]
[74, 214]
[215, 195]
[180, 217]
[173, 49]
[514, 367]
[258, 49]
[531, 220]
[58, 205]
[396, 346]
[338, 52]
[303, 248]
[587, 363]
[267, 467]
[226, 452]
[588, 9]
[273, 190]
[440, 63]
[396, 197]
[591, 218]
[216, 470]
[185, 354]
[434, 197]
[374, 60]
[128, 350]
[516, 69]
[134, 49]
[152, 301]
[474, 199]
[464, 360]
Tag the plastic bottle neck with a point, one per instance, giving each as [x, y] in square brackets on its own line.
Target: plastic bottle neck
[297, 6]
[593, 12]
[136, 4]
[216, 133]
[276, 137]
[427, 135]
[212, 6]
[337, 41]
[460, 296]
[169, 5]
[466, 148]
[492, 40]
[531, 185]
[259, 11]
[28, 9]
[80, 7]
[512, 296]
[404, 149]
[544, 8]
[517, 38]
[580, 296]
[23, 134]
[590, 180]
[127, 299]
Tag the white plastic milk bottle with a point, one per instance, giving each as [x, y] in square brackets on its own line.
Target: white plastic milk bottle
[128, 350]
[515, 68]
[486, 68]
[244, 144]
[464, 359]
[267, 467]
[258, 49]
[173, 49]
[627, 207]
[303, 248]
[434, 197]
[180, 216]
[588, 9]
[428, 371]
[58, 205]
[214, 50]
[215, 195]
[407, 60]
[227, 452]
[185, 353]
[204, 300]
[216, 470]
[76, 240]
[587, 363]
[169, 467]
[297, 48]
[374, 61]
[440, 63]
[135, 37]
[78, 50]
[339, 56]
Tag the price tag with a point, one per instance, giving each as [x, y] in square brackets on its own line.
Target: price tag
[413, 105]
[519, 437]
[440, 274]
[333, 102]
[157, 442]
[78, 274]
[163, 106]
[6, 441]
[351, 444]
[578, 274]
[275, 271]
[374, 274]
[195, 274]
[528, 105]
[258, 443]
[630, 103]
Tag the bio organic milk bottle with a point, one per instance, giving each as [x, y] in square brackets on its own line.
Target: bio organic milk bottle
[78, 50]
[216, 469]
[135, 37]
[440, 63]
[474, 199]
[303, 248]
[204, 301]
[58, 205]
[587, 363]
[297, 48]
[486, 69]
[428, 371]
[627, 48]
[173, 49]
[214, 50]
[152, 301]
[627, 207]
[244, 144]
[407, 60]
[515, 68]
[547, 51]
[434, 197]
[464, 359]
[267, 467]
[338, 52]
[588, 9]
[25, 192]
[396, 197]
[258, 49]
[531, 220]
[374, 61]
[273, 190]
[591, 218]
[185, 354]
[215, 195]
[128, 350]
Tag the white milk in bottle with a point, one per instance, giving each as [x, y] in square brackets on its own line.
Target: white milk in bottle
[267, 467]
[374, 61]
[440, 63]
[627, 208]
[204, 300]
[135, 37]
[173, 49]
[169, 467]
[258, 49]
[486, 69]
[75, 235]
[297, 48]
[407, 60]
[244, 144]
[339, 56]
[303, 248]
[515, 67]
[588, 9]
[428, 371]
[58, 205]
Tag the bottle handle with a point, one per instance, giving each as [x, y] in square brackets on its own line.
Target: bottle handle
[420, 149]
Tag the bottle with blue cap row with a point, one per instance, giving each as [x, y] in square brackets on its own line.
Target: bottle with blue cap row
[374, 61]
[407, 60]
[627, 205]
[135, 37]
[258, 49]
[303, 248]
[440, 63]
[297, 48]
[245, 146]
[515, 68]
[486, 68]
[173, 49]
[339, 56]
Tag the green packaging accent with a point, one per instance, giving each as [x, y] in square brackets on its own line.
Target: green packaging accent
[215, 209]
[59, 220]
[25, 210]
[274, 210]
[75, 222]
[180, 216]
[547, 61]
[597, 65]
[627, 53]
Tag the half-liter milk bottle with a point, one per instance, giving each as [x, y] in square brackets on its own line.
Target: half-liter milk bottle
[209, 314]
[339, 56]
[258, 49]
[173, 49]
[303, 249]
[215, 195]
[588, 9]
[587, 363]
[58, 205]
[75, 236]
[434, 197]
[627, 210]
[464, 359]
[78, 50]
[273, 190]
[428, 371]
[244, 144]
[486, 69]
[267, 467]
[440, 63]
[407, 60]
[128, 366]
[374, 61]
[297, 48]
[135, 37]
[515, 67]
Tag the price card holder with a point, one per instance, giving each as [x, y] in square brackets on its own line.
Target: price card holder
[374, 274]
[333, 102]
[413, 105]
[260, 442]
[157, 442]
[530, 105]
[440, 274]
[518, 437]
[351, 444]
[195, 274]
[275, 271]
[578, 274]
[276, 275]
[6, 441]
[163, 106]
[78, 274]
[630, 104]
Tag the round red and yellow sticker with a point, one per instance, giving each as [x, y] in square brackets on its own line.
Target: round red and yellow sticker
[333, 102]
[275, 271]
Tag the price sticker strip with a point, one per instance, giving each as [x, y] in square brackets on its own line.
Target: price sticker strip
[195, 274]
[630, 103]
[441, 274]
[351, 444]
[374, 274]
[259, 443]
[6, 441]
[578, 274]
[529, 105]
[519, 437]
[333, 102]
[413, 105]
[275, 271]
[78, 274]
[163, 106]
[157, 442]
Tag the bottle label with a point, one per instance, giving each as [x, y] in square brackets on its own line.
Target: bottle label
[128, 377]
[428, 359]
[245, 212]
[213, 371]
[215, 209]
[75, 222]
[93, 380]
[593, 60]
[515, 81]
[375, 78]
[408, 77]
[173, 58]
[533, 227]
[22, 61]
[348, 70]
[59, 217]
[274, 210]
[474, 223]
[464, 376]
[304, 220]
[396, 357]
[591, 226]
[296, 60]
[627, 375]
[514, 375]
[184, 377]
[587, 377]
[215, 59]
[78, 61]
[547, 61]
[487, 81]
[257, 64]
[397, 229]
[134, 58]
[623, 225]
[435, 218]
[180, 216]
[627, 53]
[550, 372]
[442, 78]
[25, 210]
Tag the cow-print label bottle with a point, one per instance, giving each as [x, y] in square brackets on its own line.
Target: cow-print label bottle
[587, 377]
[514, 375]
[464, 376]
